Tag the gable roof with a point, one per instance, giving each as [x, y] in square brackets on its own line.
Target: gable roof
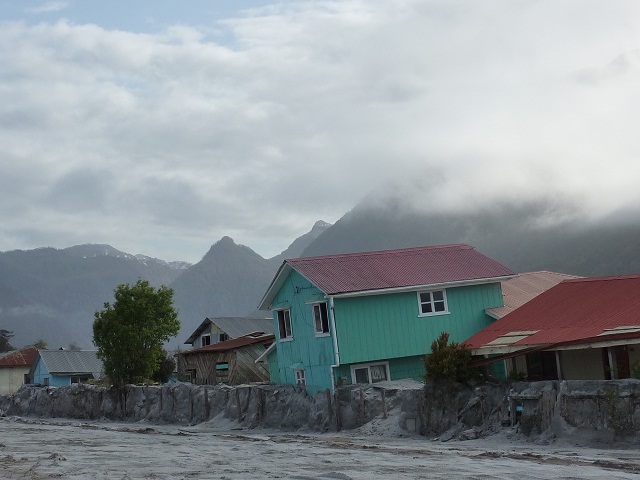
[519, 290]
[240, 342]
[24, 357]
[375, 272]
[70, 362]
[234, 326]
[577, 311]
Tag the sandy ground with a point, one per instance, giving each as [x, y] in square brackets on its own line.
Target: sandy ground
[38, 449]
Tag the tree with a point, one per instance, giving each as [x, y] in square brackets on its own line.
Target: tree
[130, 332]
[449, 361]
[165, 368]
[41, 345]
[5, 336]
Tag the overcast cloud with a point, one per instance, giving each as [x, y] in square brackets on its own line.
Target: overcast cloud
[163, 136]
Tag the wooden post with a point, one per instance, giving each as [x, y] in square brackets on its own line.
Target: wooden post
[238, 402]
[336, 403]
[385, 413]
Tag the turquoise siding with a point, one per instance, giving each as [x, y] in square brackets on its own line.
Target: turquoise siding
[369, 329]
[381, 327]
[41, 374]
[314, 354]
[274, 372]
[399, 368]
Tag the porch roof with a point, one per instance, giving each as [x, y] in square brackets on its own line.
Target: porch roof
[576, 311]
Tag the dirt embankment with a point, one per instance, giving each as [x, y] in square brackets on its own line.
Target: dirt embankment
[607, 411]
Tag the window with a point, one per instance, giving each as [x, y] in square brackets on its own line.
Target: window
[370, 373]
[223, 337]
[284, 324]
[432, 303]
[191, 375]
[321, 318]
[206, 340]
[222, 368]
[300, 377]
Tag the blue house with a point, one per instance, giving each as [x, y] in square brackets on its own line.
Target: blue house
[370, 317]
[60, 368]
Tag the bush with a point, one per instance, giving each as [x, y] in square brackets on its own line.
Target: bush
[449, 361]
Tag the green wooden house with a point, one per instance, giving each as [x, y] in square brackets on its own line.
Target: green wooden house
[370, 317]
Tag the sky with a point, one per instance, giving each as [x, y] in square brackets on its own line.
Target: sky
[159, 127]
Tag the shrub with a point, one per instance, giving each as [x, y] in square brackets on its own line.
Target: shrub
[449, 361]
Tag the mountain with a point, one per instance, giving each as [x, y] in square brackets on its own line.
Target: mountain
[298, 246]
[52, 294]
[522, 237]
[230, 281]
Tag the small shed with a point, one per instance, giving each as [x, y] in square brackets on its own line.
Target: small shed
[59, 368]
[15, 367]
[231, 362]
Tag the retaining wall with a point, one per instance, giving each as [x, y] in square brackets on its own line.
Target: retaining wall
[601, 411]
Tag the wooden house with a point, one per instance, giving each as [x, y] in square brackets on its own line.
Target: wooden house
[370, 317]
[219, 329]
[15, 367]
[579, 329]
[231, 362]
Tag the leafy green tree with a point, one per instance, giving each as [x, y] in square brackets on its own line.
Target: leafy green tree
[130, 332]
[5, 336]
[166, 367]
[449, 361]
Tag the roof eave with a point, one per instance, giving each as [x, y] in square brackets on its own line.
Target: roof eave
[274, 286]
[266, 353]
[413, 288]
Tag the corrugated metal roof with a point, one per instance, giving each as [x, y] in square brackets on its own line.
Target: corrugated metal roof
[526, 286]
[239, 327]
[19, 358]
[66, 362]
[389, 269]
[231, 344]
[570, 311]
[234, 326]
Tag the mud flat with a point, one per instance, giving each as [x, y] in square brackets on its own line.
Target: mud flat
[47, 449]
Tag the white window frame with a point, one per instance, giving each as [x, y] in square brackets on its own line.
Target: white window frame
[287, 334]
[301, 378]
[202, 342]
[318, 323]
[432, 303]
[368, 366]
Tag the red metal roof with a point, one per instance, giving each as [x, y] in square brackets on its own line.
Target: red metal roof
[19, 358]
[258, 337]
[571, 311]
[519, 290]
[356, 272]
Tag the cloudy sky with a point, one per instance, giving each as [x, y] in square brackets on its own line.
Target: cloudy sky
[159, 126]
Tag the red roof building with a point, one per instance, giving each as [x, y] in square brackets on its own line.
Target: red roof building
[231, 362]
[390, 270]
[574, 316]
[19, 358]
[15, 367]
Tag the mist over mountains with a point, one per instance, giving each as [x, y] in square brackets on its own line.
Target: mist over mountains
[52, 294]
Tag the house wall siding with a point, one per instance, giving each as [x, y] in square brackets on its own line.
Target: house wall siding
[381, 327]
[582, 364]
[41, 373]
[315, 354]
[11, 379]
